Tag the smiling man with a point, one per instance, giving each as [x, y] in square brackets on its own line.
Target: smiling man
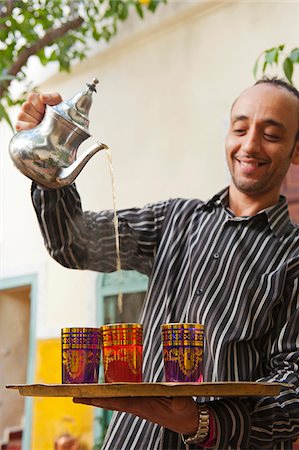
[261, 143]
[231, 263]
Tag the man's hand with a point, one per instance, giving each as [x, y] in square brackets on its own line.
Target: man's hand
[33, 110]
[178, 414]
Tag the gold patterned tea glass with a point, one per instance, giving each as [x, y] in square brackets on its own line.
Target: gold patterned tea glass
[122, 352]
[183, 350]
[81, 350]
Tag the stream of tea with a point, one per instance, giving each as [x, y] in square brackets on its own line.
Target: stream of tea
[116, 229]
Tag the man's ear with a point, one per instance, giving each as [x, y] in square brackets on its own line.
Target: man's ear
[295, 157]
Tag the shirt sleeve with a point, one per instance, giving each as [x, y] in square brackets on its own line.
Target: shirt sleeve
[86, 240]
[264, 423]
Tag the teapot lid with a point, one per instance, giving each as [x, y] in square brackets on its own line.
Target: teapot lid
[76, 109]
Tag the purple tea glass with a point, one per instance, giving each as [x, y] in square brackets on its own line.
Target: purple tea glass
[81, 350]
[183, 350]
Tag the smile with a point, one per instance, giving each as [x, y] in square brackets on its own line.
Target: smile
[250, 167]
[251, 164]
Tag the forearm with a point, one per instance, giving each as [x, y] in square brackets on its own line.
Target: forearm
[276, 419]
[60, 218]
[178, 414]
[75, 239]
[86, 240]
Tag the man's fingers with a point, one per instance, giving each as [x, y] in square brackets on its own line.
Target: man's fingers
[144, 407]
[84, 401]
[28, 117]
[51, 99]
[177, 414]
[105, 403]
[21, 125]
[36, 101]
[33, 110]
[29, 111]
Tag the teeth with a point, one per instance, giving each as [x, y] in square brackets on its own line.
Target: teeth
[249, 164]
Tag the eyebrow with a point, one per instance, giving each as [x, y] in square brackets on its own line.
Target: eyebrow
[269, 121]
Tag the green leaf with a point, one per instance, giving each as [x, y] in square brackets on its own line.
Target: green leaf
[139, 10]
[288, 68]
[31, 19]
[113, 7]
[123, 11]
[271, 55]
[255, 67]
[95, 34]
[53, 56]
[294, 55]
[7, 77]
[42, 57]
[281, 47]
[5, 116]
[152, 6]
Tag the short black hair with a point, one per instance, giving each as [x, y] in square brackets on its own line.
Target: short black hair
[281, 83]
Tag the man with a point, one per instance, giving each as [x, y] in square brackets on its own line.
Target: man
[231, 263]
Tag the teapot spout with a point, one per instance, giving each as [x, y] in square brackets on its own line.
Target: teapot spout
[67, 175]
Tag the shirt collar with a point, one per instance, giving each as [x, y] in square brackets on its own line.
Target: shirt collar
[219, 199]
[279, 219]
[276, 215]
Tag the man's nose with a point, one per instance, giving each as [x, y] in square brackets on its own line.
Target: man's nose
[251, 143]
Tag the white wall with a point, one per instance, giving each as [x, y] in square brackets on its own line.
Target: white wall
[165, 90]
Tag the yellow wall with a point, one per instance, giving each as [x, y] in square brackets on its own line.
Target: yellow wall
[55, 416]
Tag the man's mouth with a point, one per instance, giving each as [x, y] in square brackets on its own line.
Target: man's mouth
[250, 166]
[251, 163]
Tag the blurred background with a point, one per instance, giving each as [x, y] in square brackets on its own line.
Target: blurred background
[167, 80]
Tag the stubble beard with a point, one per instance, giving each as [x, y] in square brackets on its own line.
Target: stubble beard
[252, 187]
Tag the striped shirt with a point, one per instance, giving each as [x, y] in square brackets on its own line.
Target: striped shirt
[239, 276]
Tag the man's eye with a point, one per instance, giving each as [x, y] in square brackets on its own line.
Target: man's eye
[271, 137]
[239, 131]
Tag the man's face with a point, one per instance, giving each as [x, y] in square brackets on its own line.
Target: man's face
[260, 143]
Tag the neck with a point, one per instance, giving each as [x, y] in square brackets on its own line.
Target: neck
[242, 204]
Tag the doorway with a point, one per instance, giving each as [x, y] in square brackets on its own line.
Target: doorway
[14, 338]
[18, 299]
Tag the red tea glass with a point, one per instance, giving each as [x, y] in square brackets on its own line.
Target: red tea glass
[183, 349]
[122, 352]
[81, 350]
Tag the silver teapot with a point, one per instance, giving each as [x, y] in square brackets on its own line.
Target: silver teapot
[48, 153]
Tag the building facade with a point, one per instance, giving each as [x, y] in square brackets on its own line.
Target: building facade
[166, 86]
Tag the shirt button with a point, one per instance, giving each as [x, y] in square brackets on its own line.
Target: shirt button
[216, 255]
[199, 291]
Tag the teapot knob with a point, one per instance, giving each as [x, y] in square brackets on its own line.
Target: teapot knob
[76, 109]
[92, 86]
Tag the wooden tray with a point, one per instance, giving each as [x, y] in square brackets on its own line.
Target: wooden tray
[218, 389]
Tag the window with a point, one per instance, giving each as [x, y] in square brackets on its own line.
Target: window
[133, 286]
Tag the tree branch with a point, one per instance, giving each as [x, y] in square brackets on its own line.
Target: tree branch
[6, 9]
[49, 38]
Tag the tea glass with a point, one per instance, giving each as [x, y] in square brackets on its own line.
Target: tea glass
[122, 352]
[183, 351]
[81, 351]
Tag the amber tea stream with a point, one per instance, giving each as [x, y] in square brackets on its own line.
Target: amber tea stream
[116, 230]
